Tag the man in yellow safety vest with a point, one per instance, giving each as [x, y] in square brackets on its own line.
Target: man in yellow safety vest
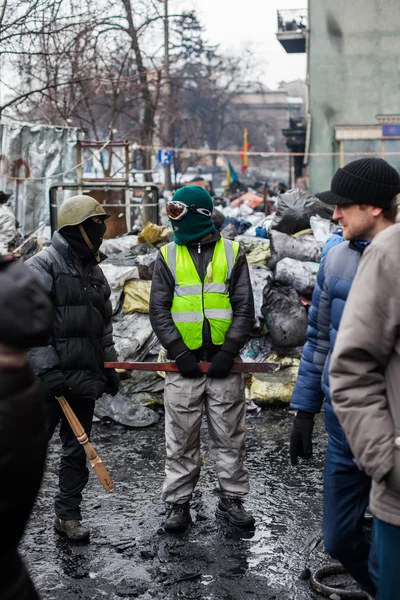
[202, 309]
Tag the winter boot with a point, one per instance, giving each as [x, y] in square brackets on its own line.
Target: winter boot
[178, 517]
[74, 530]
[232, 510]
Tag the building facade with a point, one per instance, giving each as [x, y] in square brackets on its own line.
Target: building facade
[354, 82]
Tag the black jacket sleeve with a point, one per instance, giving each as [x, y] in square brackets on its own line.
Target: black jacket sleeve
[242, 301]
[43, 359]
[26, 313]
[107, 341]
[161, 297]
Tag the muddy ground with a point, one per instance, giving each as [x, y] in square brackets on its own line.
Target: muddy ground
[130, 556]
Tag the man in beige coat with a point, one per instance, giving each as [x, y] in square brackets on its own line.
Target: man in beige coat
[365, 385]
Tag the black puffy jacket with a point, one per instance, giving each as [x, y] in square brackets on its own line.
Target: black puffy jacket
[240, 294]
[82, 336]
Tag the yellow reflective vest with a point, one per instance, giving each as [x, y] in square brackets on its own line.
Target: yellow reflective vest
[194, 300]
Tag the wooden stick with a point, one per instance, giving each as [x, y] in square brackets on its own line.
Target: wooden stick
[170, 367]
[81, 436]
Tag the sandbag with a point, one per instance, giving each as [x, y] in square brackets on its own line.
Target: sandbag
[257, 349]
[134, 337]
[321, 228]
[249, 243]
[275, 387]
[294, 209]
[299, 275]
[286, 319]
[305, 248]
[136, 296]
[260, 254]
[154, 233]
[218, 218]
[116, 277]
[119, 245]
[125, 411]
[260, 277]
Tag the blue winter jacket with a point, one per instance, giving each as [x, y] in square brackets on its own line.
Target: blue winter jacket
[337, 270]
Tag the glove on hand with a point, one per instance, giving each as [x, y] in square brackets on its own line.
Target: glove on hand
[56, 386]
[113, 382]
[221, 364]
[301, 437]
[188, 365]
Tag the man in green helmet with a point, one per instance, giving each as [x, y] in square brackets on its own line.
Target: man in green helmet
[202, 309]
[72, 364]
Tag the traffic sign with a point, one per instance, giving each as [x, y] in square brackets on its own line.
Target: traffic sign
[164, 156]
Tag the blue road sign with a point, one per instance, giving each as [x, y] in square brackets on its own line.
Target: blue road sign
[164, 156]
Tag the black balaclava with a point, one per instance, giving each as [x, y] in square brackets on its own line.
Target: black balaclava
[73, 236]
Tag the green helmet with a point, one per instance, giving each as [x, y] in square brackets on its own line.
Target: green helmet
[77, 209]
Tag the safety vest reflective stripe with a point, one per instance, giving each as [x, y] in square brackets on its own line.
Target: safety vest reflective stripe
[218, 313]
[188, 290]
[218, 288]
[230, 256]
[171, 258]
[187, 317]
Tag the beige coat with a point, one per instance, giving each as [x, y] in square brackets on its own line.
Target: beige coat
[365, 372]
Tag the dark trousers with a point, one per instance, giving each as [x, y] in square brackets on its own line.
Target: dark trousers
[17, 584]
[73, 473]
[346, 496]
[386, 546]
[22, 456]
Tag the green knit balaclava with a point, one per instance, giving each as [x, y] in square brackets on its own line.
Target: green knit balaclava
[194, 226]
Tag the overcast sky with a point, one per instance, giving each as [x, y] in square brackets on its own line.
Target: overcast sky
[235, 23]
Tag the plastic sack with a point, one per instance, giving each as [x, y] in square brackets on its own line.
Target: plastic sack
[229, 232]
[249, 243]
[124, 411]
[260, 277]
[294, 209]
[321, 228]
[305, 248]
[241, 225]
[218, 218]
[275, 387]
[299, 275]
[260, 254]
[136, 297]
[116, 277]
[154, 233]
[119, 245]
[134, 337]
[257, 349]
[286, 319]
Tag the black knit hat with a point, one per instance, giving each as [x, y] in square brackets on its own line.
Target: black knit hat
[364, 181]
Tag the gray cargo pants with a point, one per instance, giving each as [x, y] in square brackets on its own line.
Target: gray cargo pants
[225, 408]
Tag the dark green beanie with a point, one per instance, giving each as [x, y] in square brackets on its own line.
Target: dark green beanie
[194, 226]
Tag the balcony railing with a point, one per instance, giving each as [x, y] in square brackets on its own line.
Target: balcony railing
[292, 29]
[293, 20]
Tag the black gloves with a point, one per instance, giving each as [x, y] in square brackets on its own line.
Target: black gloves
[301, 436]
[188, 365]
[113, 382]
[221, 364]
[56, 386]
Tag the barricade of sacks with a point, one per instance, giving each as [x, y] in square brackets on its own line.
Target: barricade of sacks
[283, 251]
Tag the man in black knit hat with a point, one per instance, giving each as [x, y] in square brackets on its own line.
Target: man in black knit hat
[364, 193]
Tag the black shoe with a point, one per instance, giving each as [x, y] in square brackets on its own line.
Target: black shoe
[232, 510]
[178, 517]
[74, 530]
